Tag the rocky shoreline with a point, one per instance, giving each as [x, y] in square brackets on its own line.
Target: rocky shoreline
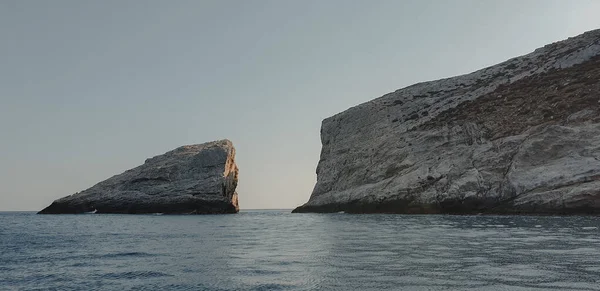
[193, 179]
[520, 137]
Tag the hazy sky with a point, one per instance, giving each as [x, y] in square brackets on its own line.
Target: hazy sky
[89, 89]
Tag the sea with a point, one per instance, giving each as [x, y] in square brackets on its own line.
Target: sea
[277, 250]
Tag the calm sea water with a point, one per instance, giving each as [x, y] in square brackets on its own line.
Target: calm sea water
[276, 250]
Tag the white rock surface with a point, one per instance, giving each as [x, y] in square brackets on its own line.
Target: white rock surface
[453, 146]
[193, 179]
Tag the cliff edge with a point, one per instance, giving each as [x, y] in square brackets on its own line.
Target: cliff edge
[193, 179]
[519, 137]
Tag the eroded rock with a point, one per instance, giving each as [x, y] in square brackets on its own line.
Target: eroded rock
[193, 179]
[518, 137]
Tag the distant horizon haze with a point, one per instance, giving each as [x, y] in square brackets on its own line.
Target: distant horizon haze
[89, 89]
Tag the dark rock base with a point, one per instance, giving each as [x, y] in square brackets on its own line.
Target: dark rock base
[465, 207]
[199, 207]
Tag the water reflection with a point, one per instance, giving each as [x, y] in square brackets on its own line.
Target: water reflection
[276, 250]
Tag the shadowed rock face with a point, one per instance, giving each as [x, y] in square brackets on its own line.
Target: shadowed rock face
[519, 137]
[193, 179]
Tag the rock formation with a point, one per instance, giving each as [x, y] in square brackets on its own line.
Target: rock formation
[193, 179]
[522, 137]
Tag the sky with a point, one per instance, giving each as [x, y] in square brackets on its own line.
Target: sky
[89, 89]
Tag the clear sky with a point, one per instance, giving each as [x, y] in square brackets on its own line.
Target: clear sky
[89, 89]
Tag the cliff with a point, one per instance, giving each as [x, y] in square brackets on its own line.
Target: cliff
[522, 137]
[193, 179]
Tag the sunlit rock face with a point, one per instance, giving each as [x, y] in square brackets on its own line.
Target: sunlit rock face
[522, 136]
[193, 179]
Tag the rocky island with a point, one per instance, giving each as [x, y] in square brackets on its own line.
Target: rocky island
[193, 179]
[520, 137]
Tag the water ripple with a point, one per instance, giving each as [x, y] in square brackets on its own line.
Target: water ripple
[275, 250]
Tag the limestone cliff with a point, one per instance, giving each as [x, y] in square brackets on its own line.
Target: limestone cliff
[193, 179]
[522, 136]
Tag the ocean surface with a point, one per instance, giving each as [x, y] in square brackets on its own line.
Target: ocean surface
[277, 250]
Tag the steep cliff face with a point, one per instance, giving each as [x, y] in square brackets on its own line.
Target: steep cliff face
[193, 179]
[522, 136]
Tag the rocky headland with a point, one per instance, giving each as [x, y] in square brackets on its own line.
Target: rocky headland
[193, 179]
[520, 137]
